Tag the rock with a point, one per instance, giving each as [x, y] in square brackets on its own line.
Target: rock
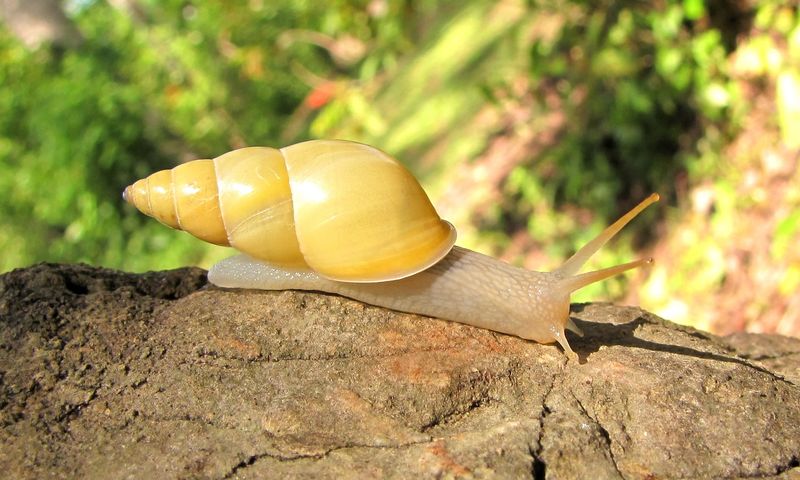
[114, 375]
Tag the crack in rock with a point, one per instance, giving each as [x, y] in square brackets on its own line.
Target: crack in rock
[539, 466]
[603, 432]
[252, 459]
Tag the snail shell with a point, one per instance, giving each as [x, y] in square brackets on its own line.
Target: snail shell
[345, 210]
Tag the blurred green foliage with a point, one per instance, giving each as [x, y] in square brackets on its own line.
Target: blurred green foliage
[543, 118]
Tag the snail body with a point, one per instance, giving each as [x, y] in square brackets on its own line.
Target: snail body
[346, 218]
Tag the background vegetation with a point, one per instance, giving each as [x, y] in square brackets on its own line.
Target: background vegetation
[531, 124]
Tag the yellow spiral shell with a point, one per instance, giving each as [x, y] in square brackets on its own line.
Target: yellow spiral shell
[346, 210]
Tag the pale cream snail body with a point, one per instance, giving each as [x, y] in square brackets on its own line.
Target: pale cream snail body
[346, 218]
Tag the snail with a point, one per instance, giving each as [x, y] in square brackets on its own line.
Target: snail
[346, 218]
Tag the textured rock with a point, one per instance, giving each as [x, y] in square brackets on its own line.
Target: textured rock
[112, 375]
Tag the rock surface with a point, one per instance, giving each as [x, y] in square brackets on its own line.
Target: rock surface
[111, 375]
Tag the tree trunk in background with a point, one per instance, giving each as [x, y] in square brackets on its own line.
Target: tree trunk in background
[36, 22]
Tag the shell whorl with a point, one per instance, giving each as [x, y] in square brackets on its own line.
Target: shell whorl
[184, 198]
[346, 210]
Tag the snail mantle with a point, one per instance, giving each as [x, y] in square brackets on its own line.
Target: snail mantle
[107, 374]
